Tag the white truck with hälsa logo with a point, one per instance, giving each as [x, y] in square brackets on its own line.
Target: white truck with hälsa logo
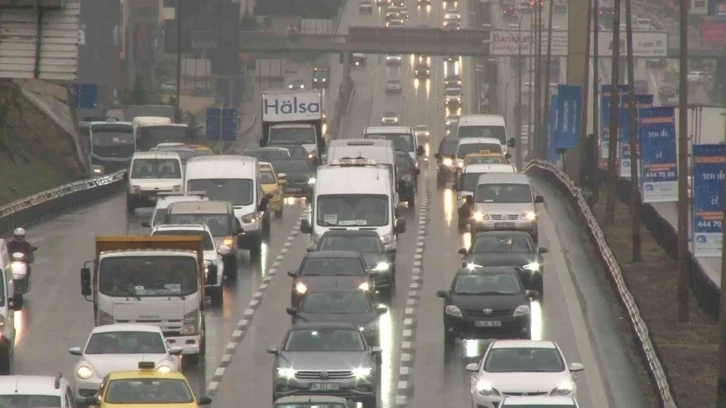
[292, 118]
[157, 280]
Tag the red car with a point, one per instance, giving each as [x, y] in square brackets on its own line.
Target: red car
[511, 12]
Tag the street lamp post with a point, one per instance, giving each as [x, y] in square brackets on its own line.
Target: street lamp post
[177, 108]
[518, 130]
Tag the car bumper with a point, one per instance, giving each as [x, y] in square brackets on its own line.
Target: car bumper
[530, 227]
[85, 388]
[466, 328]
[355, 390]
[188, 344]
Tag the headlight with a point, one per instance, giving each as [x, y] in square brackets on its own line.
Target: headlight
[448, 162]
[365, 286]
[84, 372]
[479, 216]
[286, 372]
[484, 388]
[460, 164]
[529, 216]
[249, 218]
[563, 389]
[2, 322]
[164, 368]
[191, 322]
[522, 310]
[386, 239]
[382, 267]
[301, 288]
[534, 266]
[311, 181]
[361, 372]
[135, 190]
[176, 188]
[207, 265]
[454, 311]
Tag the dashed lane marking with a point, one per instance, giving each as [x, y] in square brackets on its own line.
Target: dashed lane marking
[404, 389]
[248, 315]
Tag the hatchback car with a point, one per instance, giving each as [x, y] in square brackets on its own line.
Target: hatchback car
[389, 118]
[326, 269]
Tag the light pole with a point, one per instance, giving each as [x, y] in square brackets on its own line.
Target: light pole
[518, 130]
[177, 108]
[530, 65]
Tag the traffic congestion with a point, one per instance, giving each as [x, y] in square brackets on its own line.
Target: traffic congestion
[310, 271]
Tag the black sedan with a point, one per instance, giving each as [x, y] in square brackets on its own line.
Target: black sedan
[445, 170]
[508, 248]
[341, 305]
[407, 177]
[330, 269]
[486, 303]
[296, 175]
[368, 244]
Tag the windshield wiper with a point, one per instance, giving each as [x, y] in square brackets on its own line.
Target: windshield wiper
[128, 292]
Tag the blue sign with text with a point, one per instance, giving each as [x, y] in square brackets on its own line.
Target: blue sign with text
[604, 141]
[552, 131]
[709, 170]
[658, 155]
[569, 109]
[221, 124]
[86, 95]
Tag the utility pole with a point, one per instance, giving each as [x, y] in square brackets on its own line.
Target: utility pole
[596, 99]
[546, 90]
[721, 381]
[530, 111]
[683, 283]
[542, 138]
[537, 82]
[177, 108]
[614, 113]
[585, 94]
[518, 150]
[633, 139]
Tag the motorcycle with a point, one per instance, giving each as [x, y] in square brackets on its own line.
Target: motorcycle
[20, 266]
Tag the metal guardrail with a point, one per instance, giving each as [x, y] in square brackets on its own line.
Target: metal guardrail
[647, 349]
[22, 212]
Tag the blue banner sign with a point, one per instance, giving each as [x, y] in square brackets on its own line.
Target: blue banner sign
[709, 170]
[552, 131]
[641, 101]
[569, 109]
[604, 141]
[659, 155]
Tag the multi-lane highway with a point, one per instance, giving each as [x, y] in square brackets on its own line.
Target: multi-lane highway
[416, 367]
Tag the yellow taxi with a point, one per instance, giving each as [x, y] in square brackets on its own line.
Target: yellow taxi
[202, 150]
[145, 388]
[271, 184]
[486, 158]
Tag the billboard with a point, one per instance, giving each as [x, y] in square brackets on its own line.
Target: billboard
[569, 107]
[552, 155]
[507, 42]
[650, 44]
[713, 32]
[709, 170]
[658, 154]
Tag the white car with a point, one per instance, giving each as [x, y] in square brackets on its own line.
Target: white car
[516, 367]
[394, 86]
[543, 402]
[422, 131]
[213, 264]
[696, 76]
[394, 59]
[120, 347]
[389, 118]
[35, 391]
[165, 200]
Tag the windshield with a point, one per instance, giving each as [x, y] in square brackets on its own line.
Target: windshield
[404, 163]
[113, 141]
[236, 191]
[524, 360]
[453, 92]
[496, 132]
[148, 276]
[314, 404]
[184, 153]
[29, 401]
[267, 154]
[365, 244]
[149, 137]
[332, 267]
[448, 147]
[480, 159]
[337, 303]
[401, 141]
[156, 169]
[502, 243]
[267, 177]
[206, 238]
[503, 193]
[477, 148]
[292, 166]
[218, 224]
[353, 210]
[304, 135]
[486, 284]
[469, 181]
[148, 391]
[126, 342]
[324, 340]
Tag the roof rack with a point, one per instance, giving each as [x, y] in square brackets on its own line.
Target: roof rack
[353, 162]
[183, 193]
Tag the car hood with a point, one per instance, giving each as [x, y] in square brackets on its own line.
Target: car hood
[372, 259]
[329, 282]
[526, 382]
[103, 364]
[358, 319]
[501, 259]
[324, 360]
[156, 184]
[480, 302]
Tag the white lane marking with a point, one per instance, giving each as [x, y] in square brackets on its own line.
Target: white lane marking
[248, 315]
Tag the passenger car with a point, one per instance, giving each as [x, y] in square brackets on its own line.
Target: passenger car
[539, 402]
[365, 6]
[266, 153]
[393, 85]
[516, 367]
[345, 305]
[508, 248]
[389, 118]
[445, 160]
[486, 303]
[408, 178]
[296, 84]
[272, 185]
[394, 59]
[35, 391]
[326, 269]
[324, 359]
[453, 97]
[165, 200]
[297, 176]
[421, 71]
[422, 131]
[120, 347]
[358, 59]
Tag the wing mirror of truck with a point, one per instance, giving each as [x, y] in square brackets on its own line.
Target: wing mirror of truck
[305, 226]
[400, 226]
[507, 156]
[292, 311]
[420, 151]
[511, 142]
[126, 176]
[17, 300]
[538, 199]
[463, 251]
[86, 281]
[205, 400]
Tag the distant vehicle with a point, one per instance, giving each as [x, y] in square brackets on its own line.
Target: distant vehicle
[393, 85]
[404, 13]
[510, 12]
[389, 118]
[451, 58]
[365, 7]
[394, 59]
[452, 120]
[452, 14]
[643, 24]
[321, 76]
[396, 22]
[453, 97]
[296, 84]
[358, 59]
[445, 160]
[422, 131]
[112, 146]
[392, 13]
[666, 91]
[451, 25]
[696, 77]
[452, 81]
[656, 63]
[422, 71]
[423, 2]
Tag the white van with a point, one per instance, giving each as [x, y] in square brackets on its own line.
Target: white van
[354, 194]
[380, 151]
[402, 137]
[235, 179]
[7, 308]
[492, 126]
[148, 120]
[150, 174]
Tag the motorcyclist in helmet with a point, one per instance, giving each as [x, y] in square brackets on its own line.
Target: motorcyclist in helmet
[19, 244]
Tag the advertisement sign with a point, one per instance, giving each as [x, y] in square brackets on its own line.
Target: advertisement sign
[659, 155]
[713, 32]
[552, 155]
[650, 44]
[709, 168]
[641, 101]
[569, 108]
[508, 43]
[604, 141]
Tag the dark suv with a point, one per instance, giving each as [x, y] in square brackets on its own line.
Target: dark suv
[407, 177]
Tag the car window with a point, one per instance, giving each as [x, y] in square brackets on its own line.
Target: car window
[206, 238]
[126, 342]
[156, 169]
[30, 401]
[337, 302]
[468, 283]
[524, 360]
[502, 243]
[218, 224]
[148, 391]
[366, 244]
[267, 177]
[332, 267]
[324, 340]
[503, 193]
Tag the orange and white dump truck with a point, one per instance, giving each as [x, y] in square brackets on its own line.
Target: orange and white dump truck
[155, 280]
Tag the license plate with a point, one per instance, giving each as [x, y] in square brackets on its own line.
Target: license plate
[503, 225]
[294, 189]
[324, 387]
[488, 323]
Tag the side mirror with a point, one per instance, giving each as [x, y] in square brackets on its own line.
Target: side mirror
[310, 249]
[86, 281]
[473, 367]
[469, 199]
[538, 199]
[532, 294]
[507, 156]
[442, 294]
[92, 400]
[224, 250]
[455, 187]
[542, 250]
[35, 248]
[400, 226]
[382, 310]
[420, 151]
[305, 226]
[263, 204]
[291, 274]
[205, 400]
[376, 351]
[273, 350]
[436, 155]
[574, 367]
[291, 311]
[17, 301]
[176, 351]
[463, 251]
[75, 351]
[511, 142]
[145, 225]
[126, 176]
